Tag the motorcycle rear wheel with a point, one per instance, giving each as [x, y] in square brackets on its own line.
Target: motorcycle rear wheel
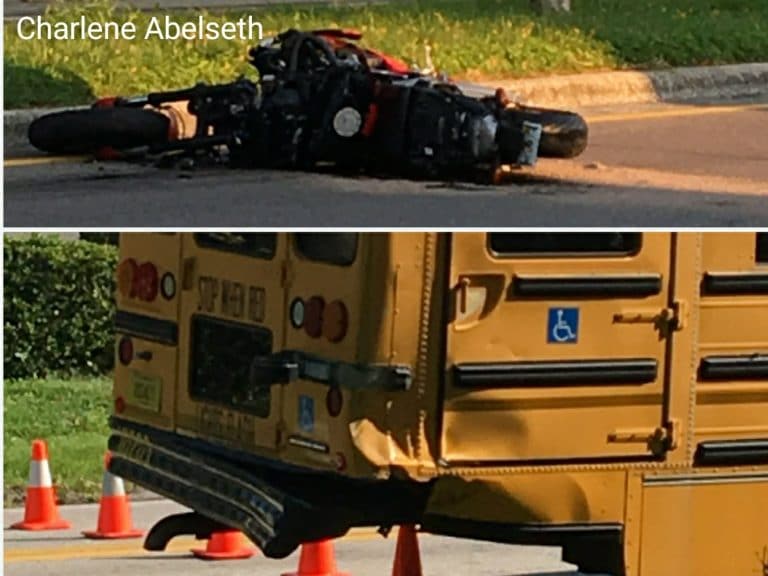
[563, 134]
[90, 130]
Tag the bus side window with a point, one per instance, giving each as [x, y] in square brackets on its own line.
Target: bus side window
[339, 249]
[258, 245]
[761, 248]
[564, 244]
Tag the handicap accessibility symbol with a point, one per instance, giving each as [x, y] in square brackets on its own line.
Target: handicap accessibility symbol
[563, 326]
[306, 413]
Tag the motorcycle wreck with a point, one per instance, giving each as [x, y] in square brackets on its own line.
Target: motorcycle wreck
[323, 99]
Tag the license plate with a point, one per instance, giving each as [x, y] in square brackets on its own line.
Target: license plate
[145, 391]
[531, 137]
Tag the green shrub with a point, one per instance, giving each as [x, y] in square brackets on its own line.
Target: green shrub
[101, 237]
[58, 306]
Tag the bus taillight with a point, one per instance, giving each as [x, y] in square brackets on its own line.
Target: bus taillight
[147, 281]
[335, 321]
[313, 316]
[334, 401]
[319, 319]
[125, 350]
[142, 281]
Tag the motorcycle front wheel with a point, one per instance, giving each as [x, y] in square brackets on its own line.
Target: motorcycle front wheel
[90, 130]
[563, 134]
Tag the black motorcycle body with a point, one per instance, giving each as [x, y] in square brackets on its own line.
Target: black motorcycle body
[321, 99]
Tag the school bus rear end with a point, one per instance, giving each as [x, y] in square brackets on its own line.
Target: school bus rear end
[280, 365]
[590, 391]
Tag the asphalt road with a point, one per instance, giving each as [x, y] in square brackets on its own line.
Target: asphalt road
[649, 165]
[360, 553]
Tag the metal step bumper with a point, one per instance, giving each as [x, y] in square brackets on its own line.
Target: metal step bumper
[220, 489]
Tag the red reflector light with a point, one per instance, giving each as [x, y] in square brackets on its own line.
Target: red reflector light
[313, 316]
[341, 461]
[119, 405]
[334, 400]
[125, 350]
[335, 321]
[147, 282]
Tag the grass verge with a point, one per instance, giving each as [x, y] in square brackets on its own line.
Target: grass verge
[474, 39]
[71, 415]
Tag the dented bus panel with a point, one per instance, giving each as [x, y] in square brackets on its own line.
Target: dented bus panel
[604, 392]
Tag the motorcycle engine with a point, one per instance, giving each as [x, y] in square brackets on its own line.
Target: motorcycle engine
[312, 108]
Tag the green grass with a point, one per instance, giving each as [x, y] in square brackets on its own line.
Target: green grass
[476, 39]
[71, 415]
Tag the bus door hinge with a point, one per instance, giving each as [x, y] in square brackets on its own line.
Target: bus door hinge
[286, 274]
[671, 437]
[188, 273]
[666, 320]
[679, 314]
[659, 440]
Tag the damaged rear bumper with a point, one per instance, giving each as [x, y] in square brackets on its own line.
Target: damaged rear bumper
[278, 507]
[219, 489]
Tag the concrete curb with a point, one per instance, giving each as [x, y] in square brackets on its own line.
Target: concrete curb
[571, 91]
[631, 87]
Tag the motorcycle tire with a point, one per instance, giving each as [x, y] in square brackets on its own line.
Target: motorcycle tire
[88, 131]
[563, 134]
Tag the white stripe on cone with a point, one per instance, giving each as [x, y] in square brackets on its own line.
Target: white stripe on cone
[39, 474]
[112, 485]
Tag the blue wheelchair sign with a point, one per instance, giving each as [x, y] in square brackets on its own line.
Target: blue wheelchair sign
[563, 326]
[306, 413]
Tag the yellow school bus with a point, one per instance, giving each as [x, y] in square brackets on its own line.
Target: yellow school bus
[604, 392]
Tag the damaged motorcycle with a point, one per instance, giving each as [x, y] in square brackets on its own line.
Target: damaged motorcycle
[323, 99]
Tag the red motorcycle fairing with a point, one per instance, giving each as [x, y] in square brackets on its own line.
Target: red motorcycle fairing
[338, 38]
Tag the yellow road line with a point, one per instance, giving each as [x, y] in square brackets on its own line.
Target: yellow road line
[15, 162]
[105, 549]
[674, 112]
[97, 550]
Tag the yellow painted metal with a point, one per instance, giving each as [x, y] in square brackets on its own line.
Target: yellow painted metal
[597, 452]
[153, 361]
[705, 525]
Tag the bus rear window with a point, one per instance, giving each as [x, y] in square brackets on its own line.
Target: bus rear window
[257, 245]
[220, 365]
[761, 249]
[338, 248]
[564, 244]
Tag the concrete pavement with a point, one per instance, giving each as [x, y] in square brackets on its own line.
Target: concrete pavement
[361, 553]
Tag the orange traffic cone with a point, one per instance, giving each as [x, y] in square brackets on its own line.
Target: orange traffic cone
[114, 510]
[407, 556]
[317, 559]
[40, 510]
[225, 545]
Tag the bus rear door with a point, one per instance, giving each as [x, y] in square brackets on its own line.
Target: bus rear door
[325, 307]
[557, 346]
[232, 312]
